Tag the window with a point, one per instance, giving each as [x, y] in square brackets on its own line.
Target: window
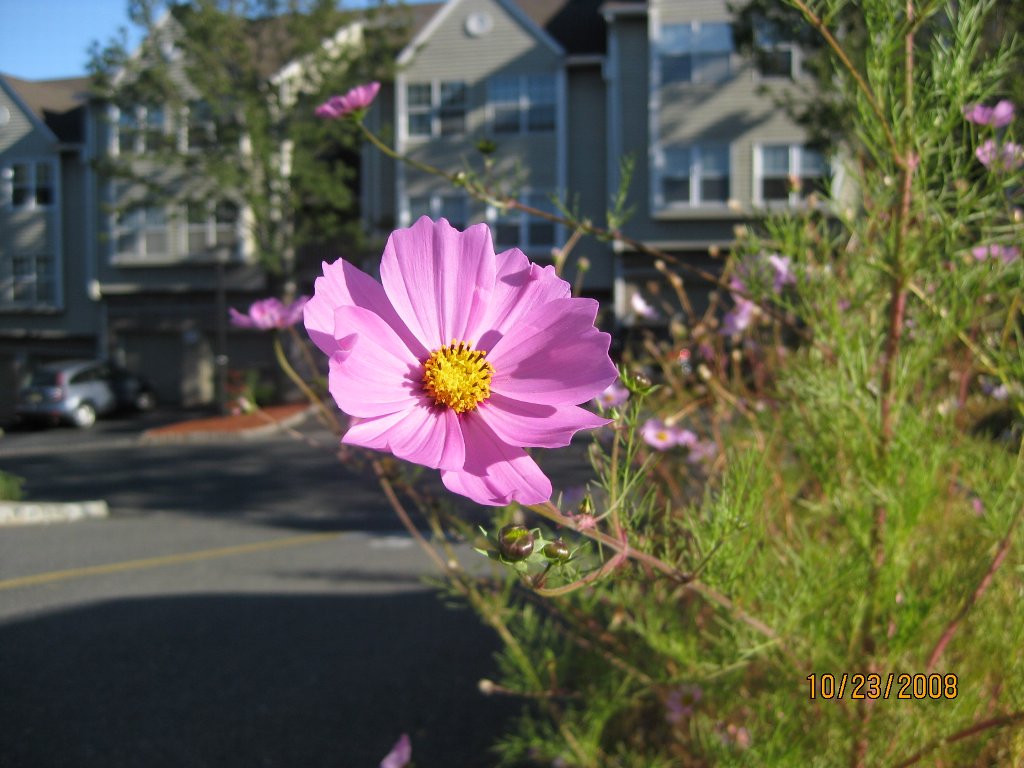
[788, 173]
[693, 175]
[29, 185]
[451, 206]
[141, 232]
[139, 129]
[521, 103]
[776, 54]
[513, 228]
[202, 132]
[698, 52]
[28, 279]
[209, 229]
[436, 109]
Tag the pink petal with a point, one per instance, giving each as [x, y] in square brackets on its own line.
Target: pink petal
[373, 432]
[555, 356]
[240, 320]
[496, 473]
[400, 754]
[519, 286]
[430, 436]
[372, 373]
[439, 279]
[533, 424]
[344, 285]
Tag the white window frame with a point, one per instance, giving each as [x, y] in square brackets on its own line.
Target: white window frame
[11, 283]
[139, 229]
[796, 164]
[435, 109]
[523, 222]
[664, 47]
[31, 185]
[524, 102]
[696, 152]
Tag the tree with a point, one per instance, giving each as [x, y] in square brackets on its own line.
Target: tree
[231, 87]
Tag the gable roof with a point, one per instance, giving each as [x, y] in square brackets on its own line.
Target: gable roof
[56, 104]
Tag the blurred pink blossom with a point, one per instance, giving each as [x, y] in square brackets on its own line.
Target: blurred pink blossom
[269, 314]
[1006, 253]
[641, 308]
[615, 395]
[1010, 155]
[783, 272]
[358, 98]
[400, 754]
[998, 116]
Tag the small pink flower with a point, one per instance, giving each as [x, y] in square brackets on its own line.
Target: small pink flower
[614, 396]
[460, 358]
[641, 308]
[1009, 155]
[657, 435]
[400, 754]
[358, 98]
[681, 703]
[703, 450]
[269, 314]
[1006, 253]
[998, 116]
[782, 272]
[685, 438]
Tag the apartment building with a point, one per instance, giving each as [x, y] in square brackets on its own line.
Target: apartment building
[562, 89]
[568, 88]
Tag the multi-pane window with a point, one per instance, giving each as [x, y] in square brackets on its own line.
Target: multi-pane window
[521, 103]
[788, 173]
[451, 206]
[776, 54]
[694, 175]
[201, 127]
[513, 228]
[210, 228]
[696, 52]
[436, 109]
[28, 279]
[142, 232]
[29, 185]
[140, 129]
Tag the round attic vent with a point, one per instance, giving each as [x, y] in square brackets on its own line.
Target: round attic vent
[479, 23]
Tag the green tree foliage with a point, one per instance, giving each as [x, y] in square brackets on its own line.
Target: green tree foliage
[243, 77]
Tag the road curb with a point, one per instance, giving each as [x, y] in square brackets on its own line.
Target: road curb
[42, 513]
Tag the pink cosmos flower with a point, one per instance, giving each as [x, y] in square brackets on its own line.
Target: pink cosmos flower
[739, 318]
[268, 314]
[998, 116]
[615, 395]
[1006, 253]
[460, 358]
[400, 754]
[359, 97]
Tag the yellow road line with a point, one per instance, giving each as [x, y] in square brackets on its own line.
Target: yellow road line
[157, 562]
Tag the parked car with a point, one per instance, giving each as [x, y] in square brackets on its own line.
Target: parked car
[78, 391]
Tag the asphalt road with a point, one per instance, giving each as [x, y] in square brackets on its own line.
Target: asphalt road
[246, 604]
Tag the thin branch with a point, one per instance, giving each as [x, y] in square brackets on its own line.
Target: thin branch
[983, 585]
[979, 727]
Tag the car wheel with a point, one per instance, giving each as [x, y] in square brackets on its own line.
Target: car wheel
[145, 401]
[84, 416]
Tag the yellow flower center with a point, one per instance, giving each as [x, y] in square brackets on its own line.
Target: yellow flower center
[458, 376]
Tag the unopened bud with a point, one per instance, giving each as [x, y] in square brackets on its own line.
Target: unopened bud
[515, 543]
[582, 264]
[485, 686]
[556, 550]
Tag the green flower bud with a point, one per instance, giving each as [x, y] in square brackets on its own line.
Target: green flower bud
[486, 147]
[515, 543]
[556, 550]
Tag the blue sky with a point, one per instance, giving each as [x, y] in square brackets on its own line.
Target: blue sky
[45, 39]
